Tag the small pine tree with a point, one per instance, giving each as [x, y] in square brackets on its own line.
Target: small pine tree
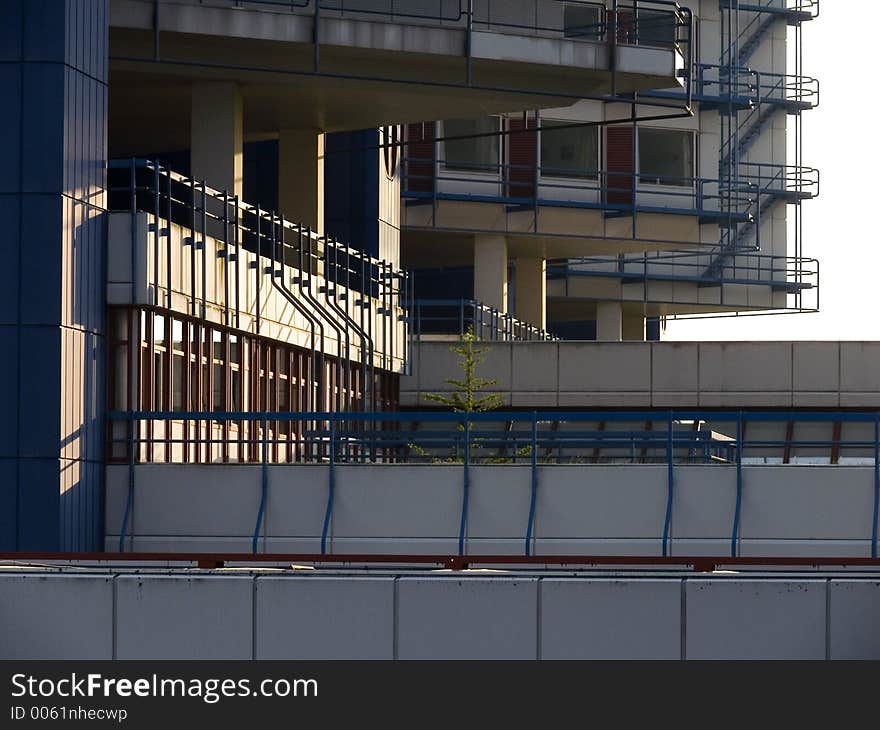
[467, 397]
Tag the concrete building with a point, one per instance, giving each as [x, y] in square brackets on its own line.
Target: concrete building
[599, 217]
[218, 363]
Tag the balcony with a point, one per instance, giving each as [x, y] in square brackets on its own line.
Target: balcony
[677, 284]
[178, 245]
[335, 65]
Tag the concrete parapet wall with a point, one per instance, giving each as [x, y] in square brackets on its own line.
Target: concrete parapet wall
[662, 374]
[821, 511]
[385, 615]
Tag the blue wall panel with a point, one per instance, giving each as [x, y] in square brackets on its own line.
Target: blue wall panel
[10, 128]
[9, 276]
[53, 211]
[8, 393]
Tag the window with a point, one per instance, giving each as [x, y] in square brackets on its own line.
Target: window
[666, 157]
[656, 28]
[582, 21]
[477, 153]
[571, 152]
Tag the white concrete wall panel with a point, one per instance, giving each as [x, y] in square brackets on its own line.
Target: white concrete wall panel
[184, 616]
[296, 501]
[498, 503]
[409, 501]
[854, 632]
[324, 618]
[51, 616]
[603, 502]
[350, 615]
[610, 619]
[580, 508]
[462, 618]
[808, 503]
[755, 619]
[666, 374]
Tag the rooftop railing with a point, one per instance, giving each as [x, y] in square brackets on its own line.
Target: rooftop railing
[555, 186]
[538, 439]
[794, 276]
[457, 316]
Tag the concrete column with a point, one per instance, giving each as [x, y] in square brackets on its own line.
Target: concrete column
[216, 136]
[531, 291]
[609, 321]
[301, 177]
[490, 271]
[633, 326]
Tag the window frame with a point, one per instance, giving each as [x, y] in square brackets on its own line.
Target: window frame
[658, 181]
[561, 176]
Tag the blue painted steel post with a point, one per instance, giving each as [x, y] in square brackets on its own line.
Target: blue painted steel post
[469, 41]
[264, 488]
[876, 484]
[734, 538]
[534, 498]
[466, 483]
[130, 499]
[670, 483]
[331, 486]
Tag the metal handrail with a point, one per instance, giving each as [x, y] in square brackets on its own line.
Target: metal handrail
[283, 249]
[688, 437]
[747, 269]
[558, 186]
[457, 316]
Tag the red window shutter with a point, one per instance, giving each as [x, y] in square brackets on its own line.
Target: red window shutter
[420, 154]
[523, 158]
[619, 154]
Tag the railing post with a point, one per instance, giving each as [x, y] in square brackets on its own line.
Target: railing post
[317, 36]
[469, 51]
[670, 483]
[466, 483]
[264, 484]
[331, 486]
[534, 498]
[130, 498]
[133, 203]
[734, 538]
[876, 484]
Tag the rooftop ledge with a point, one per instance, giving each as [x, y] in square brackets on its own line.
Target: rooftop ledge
[518, 65]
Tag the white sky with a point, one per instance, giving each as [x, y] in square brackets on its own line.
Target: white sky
[841, 225]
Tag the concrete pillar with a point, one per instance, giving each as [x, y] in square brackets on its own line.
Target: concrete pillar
[490, 271]
[531, 291]
[216, 136]
[301, 177]
[53, 181]
[609, 321]
[633, 326]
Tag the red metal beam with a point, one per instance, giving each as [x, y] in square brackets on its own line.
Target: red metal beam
[211, 561]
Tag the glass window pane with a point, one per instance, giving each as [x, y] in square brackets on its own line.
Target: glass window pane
[572, 152]
[582, 21]
[666, 157]
[656, 28]
[478, 153]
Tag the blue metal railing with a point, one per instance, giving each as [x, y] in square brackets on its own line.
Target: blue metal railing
[532, 186]
[796, 276]
[653, 23]
[536, 438]
[457, 316]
